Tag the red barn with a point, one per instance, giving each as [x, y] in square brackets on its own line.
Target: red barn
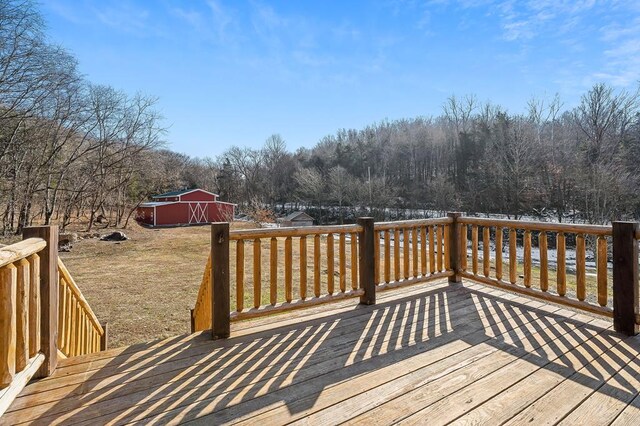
[186, 207]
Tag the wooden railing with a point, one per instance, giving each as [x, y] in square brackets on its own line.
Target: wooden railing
[317, 265]
[79, 331]
[411, 251]
[393, 254]
[42, 313]
[558, 283]
[20, 317]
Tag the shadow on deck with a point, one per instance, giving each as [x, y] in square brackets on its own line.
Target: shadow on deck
[462, 352]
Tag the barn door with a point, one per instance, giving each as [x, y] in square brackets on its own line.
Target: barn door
[198, 212]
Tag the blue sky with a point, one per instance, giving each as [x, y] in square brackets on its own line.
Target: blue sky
[235, 72]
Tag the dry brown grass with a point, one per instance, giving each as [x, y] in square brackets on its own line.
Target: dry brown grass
[143, 287]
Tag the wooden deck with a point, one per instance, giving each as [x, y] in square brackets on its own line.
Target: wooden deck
[429, 353]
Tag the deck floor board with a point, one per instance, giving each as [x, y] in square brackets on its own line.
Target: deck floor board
[447, 353]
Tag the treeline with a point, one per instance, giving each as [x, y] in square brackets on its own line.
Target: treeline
[579, 164]
[67, 146]
[71, 150]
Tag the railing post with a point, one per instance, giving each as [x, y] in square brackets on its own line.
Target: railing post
[220, 293]
[455, 251]
[625, 277]
[104, 339]
[48, 296]
[366, 261]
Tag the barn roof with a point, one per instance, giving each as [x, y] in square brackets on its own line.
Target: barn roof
[157, 203]
[297, 216]
[179, 192]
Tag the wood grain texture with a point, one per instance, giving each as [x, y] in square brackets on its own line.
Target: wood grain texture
[474, 249]
[581, 278]
[316, 265]
[499, 252]
[240, 275]
[432, 250]
[8, 284]
[513, 260]
[257, 273]
[544, 261]
[273, 271]
[561, 272]
[288, 269]
[601, 259]
[387, 256]
[303, 267]
[22, 314]
[527, 258]
[331, 264]
[486, 251]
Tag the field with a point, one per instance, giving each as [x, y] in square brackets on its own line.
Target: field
[143, 287]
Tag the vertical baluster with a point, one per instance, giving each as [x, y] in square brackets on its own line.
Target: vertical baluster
[330, 268]
[343, 262]
[474, 249]
[581, 279]
[387, 256]
[257, 273]
[8, 284]
[432, 250]
[396, 254]
[513, 259]
[561, 281]
[303, 267]
[22, 314]
[486, 247]
[406, 245]
[72, 327]
[414, 246]
[440, 250]
[376, 255]
[316, 265]
[423, 250]
[527, 258]
[273, 274]
[463, 246]
[67, 322]
[602, 271]
[288, 269]
[354, 261]
[499, 253]
[78, 329]
[239, 275]
[62, 299]
[34, 305]
[445, 251]
[544, 261]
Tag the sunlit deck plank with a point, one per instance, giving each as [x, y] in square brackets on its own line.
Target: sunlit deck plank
[419, 351]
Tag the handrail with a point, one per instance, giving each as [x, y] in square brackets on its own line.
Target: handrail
[603, 230]
[246, 234]
[64, 274]
[79, 331]
[381, 226]
[23, 249]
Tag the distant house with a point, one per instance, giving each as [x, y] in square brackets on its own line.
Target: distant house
[184, 207]
[296, 219]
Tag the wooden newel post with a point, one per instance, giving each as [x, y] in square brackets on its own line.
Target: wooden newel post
[220, 293]
[48, 296]
[625, 277]
[455, 251]
[104, 339]
[366, 261]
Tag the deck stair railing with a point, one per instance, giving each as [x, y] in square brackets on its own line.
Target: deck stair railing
[43, 315]
[393, 254]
